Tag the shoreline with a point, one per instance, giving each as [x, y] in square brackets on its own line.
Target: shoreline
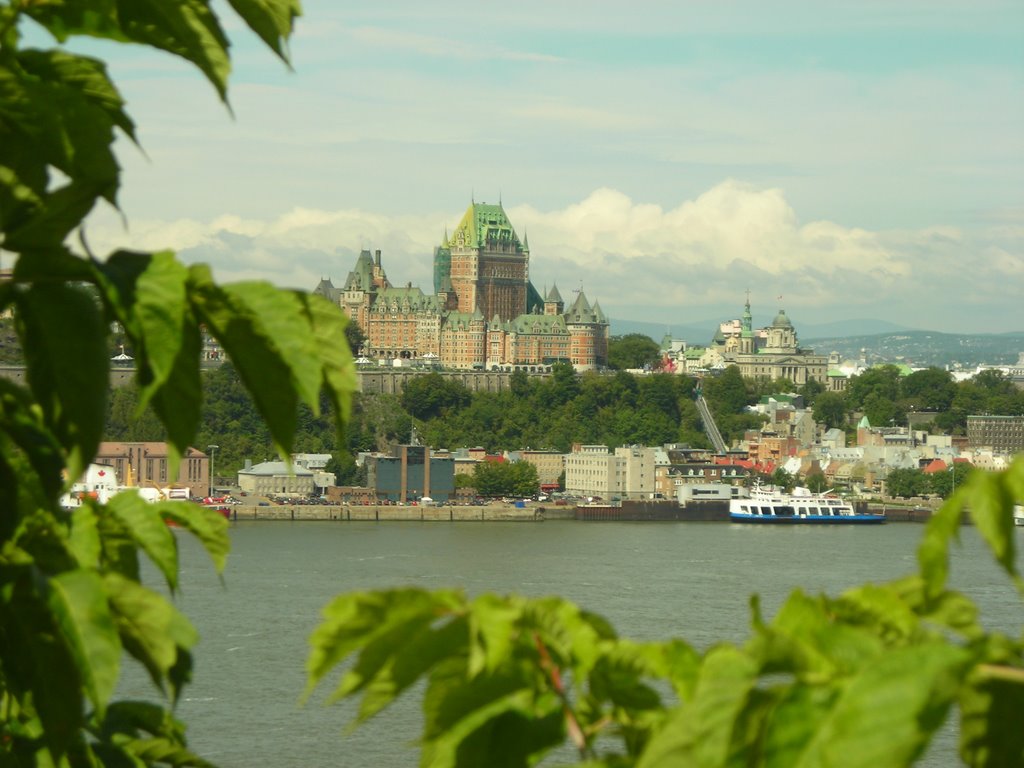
[380, 513]
[490, 513]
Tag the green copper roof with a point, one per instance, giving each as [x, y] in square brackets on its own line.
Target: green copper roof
[545, 324]
[781, 321]
[483, 224]
[405, 299]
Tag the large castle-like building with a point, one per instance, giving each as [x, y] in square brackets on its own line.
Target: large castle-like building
[484, 314]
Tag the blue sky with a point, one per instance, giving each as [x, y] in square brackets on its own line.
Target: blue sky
[859, 159]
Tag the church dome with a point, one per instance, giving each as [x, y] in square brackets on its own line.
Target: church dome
[781, 321]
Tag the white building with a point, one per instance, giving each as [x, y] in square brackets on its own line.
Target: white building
[628, 473]
[275, 478]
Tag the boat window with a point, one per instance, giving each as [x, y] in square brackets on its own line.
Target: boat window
[801, 510]
[766, 510]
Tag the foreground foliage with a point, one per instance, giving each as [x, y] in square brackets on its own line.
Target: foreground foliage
[71, 601]
[865, 679]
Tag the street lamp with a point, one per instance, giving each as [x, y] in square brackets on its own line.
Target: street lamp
[212, 450]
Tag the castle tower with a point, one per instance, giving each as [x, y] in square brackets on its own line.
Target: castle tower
[488, 265]
[553, 304]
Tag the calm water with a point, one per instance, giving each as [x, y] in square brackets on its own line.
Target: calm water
[651, 580]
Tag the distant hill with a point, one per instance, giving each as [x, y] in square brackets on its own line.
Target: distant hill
[694, 333]
[842, 328]
[882, 340]
[701, 331]
[924, 348]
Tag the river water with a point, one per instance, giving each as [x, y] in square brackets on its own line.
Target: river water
[652, 580]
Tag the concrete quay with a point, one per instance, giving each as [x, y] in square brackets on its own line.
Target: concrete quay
[373, 513]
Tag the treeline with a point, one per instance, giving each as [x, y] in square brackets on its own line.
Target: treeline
[905, 483]
[542, 413]
[552, 413]
[886, 397]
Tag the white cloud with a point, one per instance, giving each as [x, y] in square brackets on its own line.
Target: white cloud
[642, 261]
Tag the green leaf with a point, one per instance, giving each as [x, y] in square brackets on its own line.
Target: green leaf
[466, 716]
[933, 551]
[207, 525]
[990, 506]
[618, 676]
[887, 714]
[988, 708]
[59, 110]
[806, 639]
[138, 733]
[178, 402]
[152, 630]
[147, 529]
[354, 621]
[270, 19]
[17, 198]
[571, 636]
[676, 661]
[63, 336]
[396, 659]
[22, 422]
[39, 662]
[186, 28]
[700, 732]
[85, 75]
[786, 722]
[53, 265]
[492, 631]
[84, 537]
[79, 604]
[268, 337]
[339, 372]
[147, 293]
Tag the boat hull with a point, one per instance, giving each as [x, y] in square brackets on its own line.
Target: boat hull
[807, 519]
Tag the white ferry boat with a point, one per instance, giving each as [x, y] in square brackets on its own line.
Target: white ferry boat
[768, 504]
[1018, 515]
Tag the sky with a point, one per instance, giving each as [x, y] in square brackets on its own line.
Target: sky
[840, 160]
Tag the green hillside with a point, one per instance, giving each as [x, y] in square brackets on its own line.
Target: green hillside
[926, 348]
